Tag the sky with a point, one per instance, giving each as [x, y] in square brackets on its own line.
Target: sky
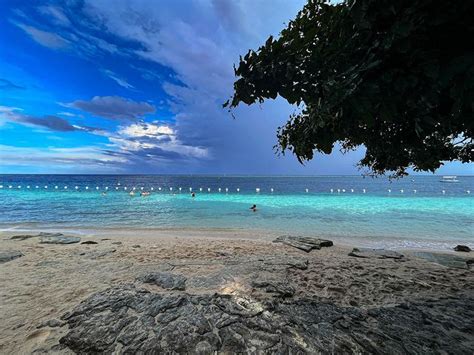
[137, 86]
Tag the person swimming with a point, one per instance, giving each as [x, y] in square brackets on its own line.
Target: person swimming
[193, 194]
[132, 193]
[145, 193]
[253, 208]
[104, 194]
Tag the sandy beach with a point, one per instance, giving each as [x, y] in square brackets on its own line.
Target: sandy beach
[39, 288]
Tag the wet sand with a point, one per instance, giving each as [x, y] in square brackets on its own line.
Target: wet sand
[51, 279]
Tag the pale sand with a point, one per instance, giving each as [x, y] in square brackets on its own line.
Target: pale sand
[50, 280]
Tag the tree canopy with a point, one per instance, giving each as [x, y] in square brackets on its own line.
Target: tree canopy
[394, 76]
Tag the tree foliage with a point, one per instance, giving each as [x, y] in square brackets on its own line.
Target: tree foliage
[394, 76]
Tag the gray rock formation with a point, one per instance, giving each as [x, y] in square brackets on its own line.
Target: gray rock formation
[89, 242]
[463, 248]
[165, 280]
[375, 253]
[129, 320]
[304, 243]
[59, 239]
[277, 288]
[9, 255]
[29, 236]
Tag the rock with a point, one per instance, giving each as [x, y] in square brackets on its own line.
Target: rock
[9, 255]
[136, 246]
[59, 239]
[117, 243]
[280, 289]
[375, 253]
[52, 323]
[165, 280]
[448, 260]
[28, 236]
[130, 320]
[469, 263]
[463, 248]
[23, 237]
[304, 243]
[89, 242]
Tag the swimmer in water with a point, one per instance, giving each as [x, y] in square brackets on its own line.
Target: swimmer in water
[104, 193]
[145, 193]
[193, 194]
[132, 193]
[254, 208]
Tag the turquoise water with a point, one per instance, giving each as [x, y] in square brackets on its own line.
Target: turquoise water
[370, 214]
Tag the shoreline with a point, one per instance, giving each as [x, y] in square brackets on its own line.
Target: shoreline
[389, 243]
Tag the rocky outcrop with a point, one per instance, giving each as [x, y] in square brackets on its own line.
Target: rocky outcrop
[304, 243]
[277, 288]
[128, 320]
[29, 236]
[463, 248]
[9, 255]
[375, 253]
[59, 239]
[164, 280]
[449, 260]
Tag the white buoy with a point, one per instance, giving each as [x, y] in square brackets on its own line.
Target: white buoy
[1, 186]
[171, 189]
[343, 190]
[76, 187]
[36, 187]
[116, 188]
[28, 187]
[56, 187]
[389, 190]
[414, 191]
[352, 190]
[65, 187]
[180, 189]
[151, 188]
[159, 188]
[97, 187]
[19, 186]
[134, 188]
[190, 189]
[271, 189]
[208, 189]
[87, 187]
[238, 190]
[363, 191]
[401, 190]
[257, 189]
[141, 188]
[444, 191]
[10, 186]
[200, 189]
[332, 190]
[338, 190]
[468, 191]
[219, 189]
[106, 187]
[307, 190]
[125, 188]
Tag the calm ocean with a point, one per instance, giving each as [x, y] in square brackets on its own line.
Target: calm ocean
[419, 211]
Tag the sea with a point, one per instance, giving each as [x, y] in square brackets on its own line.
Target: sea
[412, 212]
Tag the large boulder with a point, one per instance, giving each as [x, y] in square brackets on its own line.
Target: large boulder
[463, 248]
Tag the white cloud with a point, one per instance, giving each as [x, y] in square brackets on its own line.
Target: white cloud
[146, 130]
[120, 81]
[56, 14]
[47, 39]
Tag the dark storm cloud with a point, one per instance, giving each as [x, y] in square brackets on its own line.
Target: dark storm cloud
[114, 107]
[50, 122]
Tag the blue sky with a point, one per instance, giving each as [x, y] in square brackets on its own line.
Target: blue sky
[137, 86]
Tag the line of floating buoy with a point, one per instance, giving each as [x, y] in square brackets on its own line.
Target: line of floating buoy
[271, 190]
[238, 190]
[307, 190]
[257, 189]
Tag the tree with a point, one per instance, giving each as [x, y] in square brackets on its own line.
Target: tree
[394, 76]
